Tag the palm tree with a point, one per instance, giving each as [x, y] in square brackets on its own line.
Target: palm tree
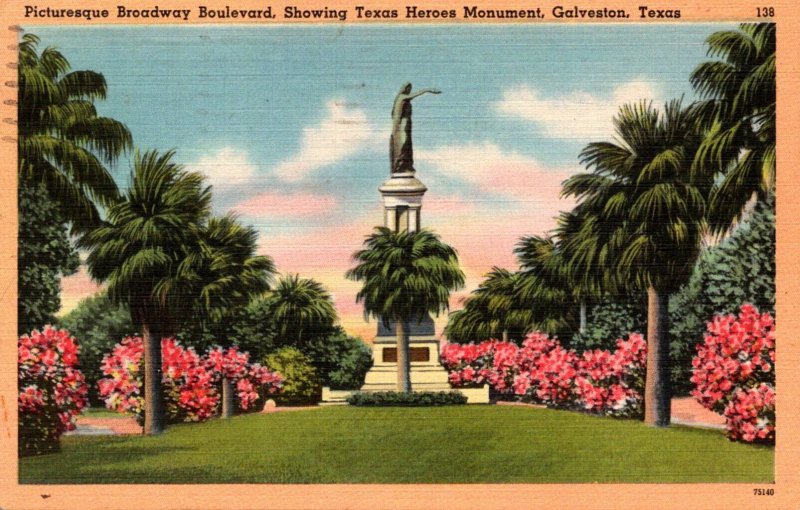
[544, 283]
[225, 275]
[405, 275]
[649, 211]
[63, 143]
[739, 115]
[138, 250]
[494, 309]
[302, 310]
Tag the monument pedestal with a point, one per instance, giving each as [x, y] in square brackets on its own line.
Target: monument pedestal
[426, 373]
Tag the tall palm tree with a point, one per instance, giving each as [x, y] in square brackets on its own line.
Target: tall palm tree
[138, 250]
[650, 211]
[405, 275]
[493, 310]
[63, 143]
[302, 310]
[738, 113]
[224, 274]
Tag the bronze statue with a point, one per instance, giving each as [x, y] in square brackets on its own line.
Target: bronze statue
[401, 154]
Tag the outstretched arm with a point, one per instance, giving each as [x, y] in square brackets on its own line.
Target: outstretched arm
[424, 91]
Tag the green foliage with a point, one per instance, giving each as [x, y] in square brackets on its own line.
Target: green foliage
[63, 143]
[610, 320]
[147, 237]
[223, 272]
[494, 308]
[738, 113]
[741, 269]
[252, 329]
[405, 274]
[405, 399]
[45, 255]
[342, 361]
[301, 384]
[98, 325]
[545, 285]
[301, 311]
[642, 209]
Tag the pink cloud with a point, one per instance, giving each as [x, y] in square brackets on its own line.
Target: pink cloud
[492, 169]
[282, 205]
[76, 287]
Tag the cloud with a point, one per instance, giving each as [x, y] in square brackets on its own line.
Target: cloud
[228, 170]
[76, 287]
[285, 205]
[342, 133]
[487, 166]
[580, 115]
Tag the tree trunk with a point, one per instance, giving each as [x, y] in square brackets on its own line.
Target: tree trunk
[403, 363]
[153, 393]
[582, 327]
[657, 391]
[227, 398]
[505, 335]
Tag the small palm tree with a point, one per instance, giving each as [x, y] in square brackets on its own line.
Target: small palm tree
[302, 310]
[493, 310]
[138, 250]
[738, 114]
[643, 203]
[405, 275]
[224, 274]
[63, 143]
[544, 283]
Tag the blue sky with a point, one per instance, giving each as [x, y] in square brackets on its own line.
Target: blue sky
[291, 123]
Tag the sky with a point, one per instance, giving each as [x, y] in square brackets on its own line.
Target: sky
[291, 125]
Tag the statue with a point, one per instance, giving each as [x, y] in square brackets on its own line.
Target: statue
[400, 151]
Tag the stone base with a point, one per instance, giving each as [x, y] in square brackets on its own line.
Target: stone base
[426, 372]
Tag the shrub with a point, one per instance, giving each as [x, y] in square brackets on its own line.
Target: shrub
[412, 399]
[301, 384]
[541, 370]
[740, 269]
[51, 390]
[341, 361]
[99, 324]
[615, 318]
[734, 375]
[190, 381]
[252, 381]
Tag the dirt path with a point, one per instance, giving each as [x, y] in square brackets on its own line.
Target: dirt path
[686, 411]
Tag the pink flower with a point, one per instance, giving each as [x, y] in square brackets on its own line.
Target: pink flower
[731, 374]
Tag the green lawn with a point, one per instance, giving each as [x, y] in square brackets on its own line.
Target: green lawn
[458, 444]
[100, 412]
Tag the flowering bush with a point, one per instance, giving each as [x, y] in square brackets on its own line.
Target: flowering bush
[543, 371]
[733, 373]
[189, 380]
[252, 381]
[51, 390]
[611, 383]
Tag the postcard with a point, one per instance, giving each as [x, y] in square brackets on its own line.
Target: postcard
[398, 255]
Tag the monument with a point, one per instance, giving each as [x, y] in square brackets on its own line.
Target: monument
[402, 207]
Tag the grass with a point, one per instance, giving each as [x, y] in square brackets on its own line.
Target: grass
[459, 444]
[101, 413]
